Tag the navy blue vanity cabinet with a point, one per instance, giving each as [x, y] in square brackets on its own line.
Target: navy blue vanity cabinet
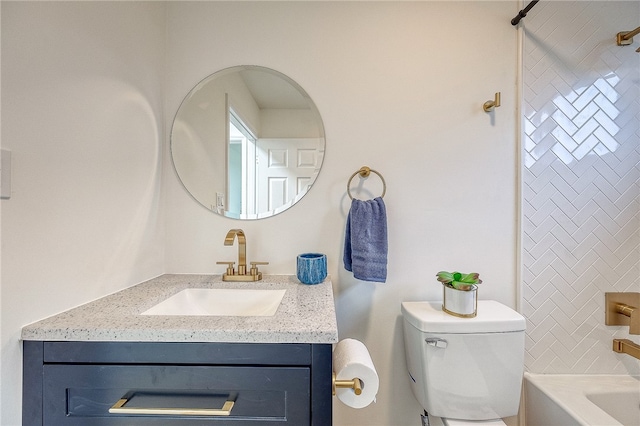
[145, 383]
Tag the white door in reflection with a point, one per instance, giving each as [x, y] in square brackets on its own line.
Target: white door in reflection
[284, 169]
[241, 174]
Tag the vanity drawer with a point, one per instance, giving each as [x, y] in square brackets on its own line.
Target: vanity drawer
[83, 394]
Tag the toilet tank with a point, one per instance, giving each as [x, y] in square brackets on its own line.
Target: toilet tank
[465, 368]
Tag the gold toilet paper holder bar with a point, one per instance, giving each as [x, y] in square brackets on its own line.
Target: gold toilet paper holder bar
[355, 384]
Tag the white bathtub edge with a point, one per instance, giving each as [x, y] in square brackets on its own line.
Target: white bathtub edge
[569, 393]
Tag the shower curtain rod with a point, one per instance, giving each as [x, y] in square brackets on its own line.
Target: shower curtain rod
[523, 13]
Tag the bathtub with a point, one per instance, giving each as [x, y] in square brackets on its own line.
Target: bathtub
[567, 400]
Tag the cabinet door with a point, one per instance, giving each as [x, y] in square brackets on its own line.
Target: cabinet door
[175, 395]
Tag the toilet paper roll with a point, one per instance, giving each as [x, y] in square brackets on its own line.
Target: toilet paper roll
[351, 359]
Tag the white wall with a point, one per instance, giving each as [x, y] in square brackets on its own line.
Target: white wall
[400, 87]
[82, 115]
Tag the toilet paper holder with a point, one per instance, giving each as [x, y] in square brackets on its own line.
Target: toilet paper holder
[355, 384]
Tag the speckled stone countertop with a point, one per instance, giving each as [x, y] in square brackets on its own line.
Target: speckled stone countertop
[305, 315]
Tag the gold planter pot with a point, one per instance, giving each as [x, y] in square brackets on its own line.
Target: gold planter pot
[460, 303]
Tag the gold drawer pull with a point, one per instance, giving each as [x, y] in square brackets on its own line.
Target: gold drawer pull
[119, 408]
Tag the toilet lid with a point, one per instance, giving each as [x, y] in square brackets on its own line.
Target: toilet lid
[492, 317]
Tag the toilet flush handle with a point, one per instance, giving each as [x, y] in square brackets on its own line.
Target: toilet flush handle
[436, 341]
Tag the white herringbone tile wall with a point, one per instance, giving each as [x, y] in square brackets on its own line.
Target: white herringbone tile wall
[581, 191]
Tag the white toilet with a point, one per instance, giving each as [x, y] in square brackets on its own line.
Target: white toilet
[465, 370]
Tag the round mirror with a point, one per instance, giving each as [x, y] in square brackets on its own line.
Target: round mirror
[247, 142]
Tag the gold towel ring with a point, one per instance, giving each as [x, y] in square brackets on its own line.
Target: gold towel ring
[364, 172]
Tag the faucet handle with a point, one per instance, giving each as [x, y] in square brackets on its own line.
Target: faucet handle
[230, 270]
[623, 309]
[254, 268]
[634, 320]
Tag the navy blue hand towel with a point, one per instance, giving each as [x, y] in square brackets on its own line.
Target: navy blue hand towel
[365, 245]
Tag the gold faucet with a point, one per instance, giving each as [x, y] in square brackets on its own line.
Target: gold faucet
[241, 275]
[242, 248]
[626, 346]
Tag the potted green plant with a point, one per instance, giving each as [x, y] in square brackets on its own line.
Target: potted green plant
[460, 293]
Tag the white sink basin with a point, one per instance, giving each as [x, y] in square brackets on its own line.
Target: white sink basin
[220, 302]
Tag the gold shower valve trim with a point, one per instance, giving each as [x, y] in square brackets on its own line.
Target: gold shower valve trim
[623, 309]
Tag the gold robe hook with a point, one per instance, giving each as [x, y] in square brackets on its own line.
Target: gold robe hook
[490, 105]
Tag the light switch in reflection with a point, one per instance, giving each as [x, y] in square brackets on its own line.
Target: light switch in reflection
[5, 174]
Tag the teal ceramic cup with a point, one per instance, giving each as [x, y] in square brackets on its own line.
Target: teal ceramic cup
[312, 268]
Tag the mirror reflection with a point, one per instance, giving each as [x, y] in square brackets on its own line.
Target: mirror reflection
[247, 142]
